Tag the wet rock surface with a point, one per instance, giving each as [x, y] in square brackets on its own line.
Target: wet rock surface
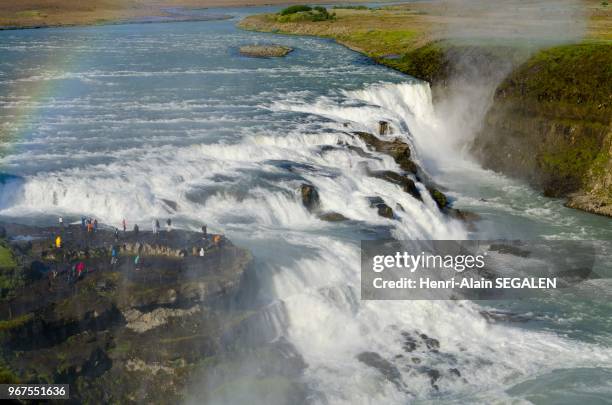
[134, 330]
[381, 207]
[405, 178]
[421, 356]
[310, 197]
[397, 149]
[407, 184]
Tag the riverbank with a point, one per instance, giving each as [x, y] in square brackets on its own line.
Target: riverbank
[555, 102]
[62, 13]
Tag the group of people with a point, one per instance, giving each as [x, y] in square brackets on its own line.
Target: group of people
[89, 224]
[77, 268]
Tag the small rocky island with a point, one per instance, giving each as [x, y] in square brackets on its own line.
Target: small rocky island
[265, 51]
[123, 316]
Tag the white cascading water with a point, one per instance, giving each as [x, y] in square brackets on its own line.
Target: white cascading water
[311, 267]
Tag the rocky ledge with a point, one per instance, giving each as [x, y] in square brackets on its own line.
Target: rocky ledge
[265, 51]
[137, 328]
[406, 177]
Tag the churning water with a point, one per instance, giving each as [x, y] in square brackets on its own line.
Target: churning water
[156, 120]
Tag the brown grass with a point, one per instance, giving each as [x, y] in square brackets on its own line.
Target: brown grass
[35, 13]
[403, 28]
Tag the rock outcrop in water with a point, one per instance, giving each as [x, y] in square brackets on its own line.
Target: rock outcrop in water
[265, 51]
[397, 149]
[400, 152]
[310, 197]
[407, 184]
[132, 331]
[384, 128]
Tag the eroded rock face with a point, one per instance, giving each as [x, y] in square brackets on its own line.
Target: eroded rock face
[310, 197]
[385, 367]
[438, 197]
[141, 322]
[550, 124]
[397, 149]
[403, 180]
[384, 128]
[382, 208]
[127, 332]
[332, 217]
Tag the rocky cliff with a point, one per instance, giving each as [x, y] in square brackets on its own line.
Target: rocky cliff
[550, 118]
[129, 330]
[550, 124]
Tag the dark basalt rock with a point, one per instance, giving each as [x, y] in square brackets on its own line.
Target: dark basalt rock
[397, 149]
[431, 343]
[125, 332]
[385, 367]
[462, 215]
[438, 197]
[409, 344]
[493, 316]
[332, 217]
[433, 374]
[310, 197]
[404, 181]
[384, 128]
[382, 208]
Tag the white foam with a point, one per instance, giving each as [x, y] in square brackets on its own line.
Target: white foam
[313, 272]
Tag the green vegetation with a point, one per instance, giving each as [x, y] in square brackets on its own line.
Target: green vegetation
[299, 8]
[384, 42]
[11, 276]
[7, 376]
[304, 13]
[553, 115]
[349, 7]
[14, 323]
[580, 75]
[7, 261]
[427, 62]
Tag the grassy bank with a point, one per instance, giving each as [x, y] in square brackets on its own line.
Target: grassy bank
[52, 13]
[552, 117]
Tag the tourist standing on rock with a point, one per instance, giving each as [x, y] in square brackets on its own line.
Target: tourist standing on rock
[80, 267]
[117, 234]
[58, 242]
[168, 224]
[136, 229]
[124, 225]
[61, 222]
[72, 273]
[89, 226]
[113, 256]
[157, 226]
[82, 222]
[202, 252]
[204, 231]
[95, 223]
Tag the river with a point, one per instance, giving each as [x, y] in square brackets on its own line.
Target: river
[143, 121]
